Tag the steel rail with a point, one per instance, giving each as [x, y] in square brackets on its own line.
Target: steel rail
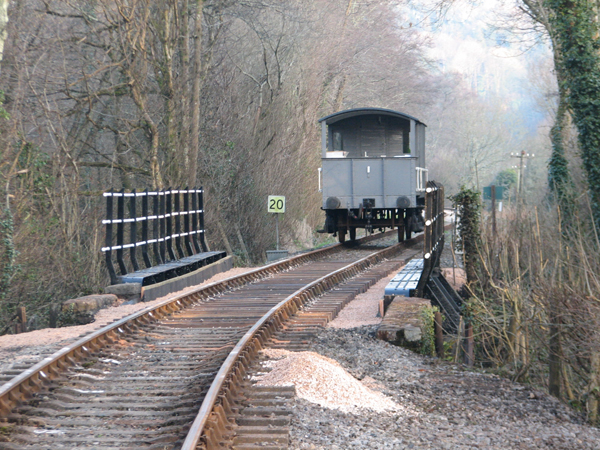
[23, 386]
[211, 422]
[30, 381]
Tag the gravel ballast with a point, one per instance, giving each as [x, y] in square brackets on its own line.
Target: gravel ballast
[425, 403]
[443, 405]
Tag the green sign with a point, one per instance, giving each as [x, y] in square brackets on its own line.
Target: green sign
[487, 192]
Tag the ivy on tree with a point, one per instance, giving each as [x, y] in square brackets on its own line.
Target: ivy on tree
[575, 35]
[468, 203]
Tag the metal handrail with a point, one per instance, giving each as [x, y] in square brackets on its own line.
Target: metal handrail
[422, 179]
[319, 175]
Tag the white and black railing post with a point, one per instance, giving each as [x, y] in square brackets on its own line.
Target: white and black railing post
[121, 232]
[145, 230]
[133, 232]
[187, 223]
[201, 218]
[162, 220]
[156, 227]
[195, 223]
[108, 241]
[179, 213]
[169, 216]
[433, 239]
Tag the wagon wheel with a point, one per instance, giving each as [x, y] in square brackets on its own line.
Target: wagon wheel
[353, 234]
[342, 235]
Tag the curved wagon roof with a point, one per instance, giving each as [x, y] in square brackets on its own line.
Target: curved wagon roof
[341, 115]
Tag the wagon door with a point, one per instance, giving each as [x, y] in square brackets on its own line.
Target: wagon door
[367, 177]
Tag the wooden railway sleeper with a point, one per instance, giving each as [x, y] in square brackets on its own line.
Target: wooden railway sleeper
[226, 404]
[246, 355]
[262, 338]
[100, 343]
[60, 364]
[13, 398]
[217, 430]
[4, 406]
[153, 316]
[109, 339]
[253, 349]
[241, 372]
[266, 333]
[23, 392]
[70, 360]
[93, 346]
[225, 425]
[236, 378]
[273, 324]
[283, 314]
[43, 379]
[289, 309]
[243, 359]
[53, 370]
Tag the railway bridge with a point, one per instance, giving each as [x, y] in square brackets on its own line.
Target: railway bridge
[175, 374]
[235, 363]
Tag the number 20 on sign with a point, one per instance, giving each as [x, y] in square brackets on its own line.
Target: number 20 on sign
[276, 204]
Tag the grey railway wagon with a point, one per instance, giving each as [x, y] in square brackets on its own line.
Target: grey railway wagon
[373, 170]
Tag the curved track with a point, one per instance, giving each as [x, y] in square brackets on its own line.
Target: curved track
[167, 377]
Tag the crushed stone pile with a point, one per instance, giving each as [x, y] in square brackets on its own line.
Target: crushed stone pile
[322, 381]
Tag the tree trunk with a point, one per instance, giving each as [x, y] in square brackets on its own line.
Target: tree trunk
[195, 104]
[554, 363]
[594, 389]
[574, 31]
[3, 25]
[559, 178]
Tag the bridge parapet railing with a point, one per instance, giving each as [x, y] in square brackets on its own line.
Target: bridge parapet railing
[154, 226]
[433, 239]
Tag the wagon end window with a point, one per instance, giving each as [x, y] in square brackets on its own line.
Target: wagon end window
[338, 144]
[336, 147]
[406, 140]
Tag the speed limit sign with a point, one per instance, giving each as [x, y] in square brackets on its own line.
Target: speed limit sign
[276, 204]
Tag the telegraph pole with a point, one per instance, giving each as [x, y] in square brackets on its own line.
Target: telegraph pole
[522, 156]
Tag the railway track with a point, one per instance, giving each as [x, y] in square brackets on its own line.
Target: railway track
[174, 376]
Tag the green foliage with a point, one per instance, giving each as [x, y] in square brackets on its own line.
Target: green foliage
[8, 267]
[428, 331]
[561, 184]
[574, 31]
[88, 364]
[33, 166]
[3, 113]
[9, 256]
[507, 178]
[68, 317]
[468, 203]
